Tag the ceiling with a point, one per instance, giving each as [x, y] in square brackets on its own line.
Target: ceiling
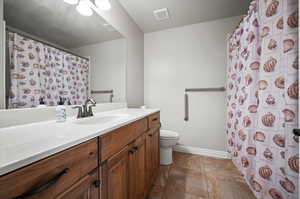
[182, 12]
[56, 22]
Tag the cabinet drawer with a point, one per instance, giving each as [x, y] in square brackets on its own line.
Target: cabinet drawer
[116, 140]
[154, 120]
[51, 176]
[87, 187]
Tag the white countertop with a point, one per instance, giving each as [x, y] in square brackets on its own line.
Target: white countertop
[25, 144]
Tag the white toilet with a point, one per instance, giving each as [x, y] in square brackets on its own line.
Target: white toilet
[168, 140]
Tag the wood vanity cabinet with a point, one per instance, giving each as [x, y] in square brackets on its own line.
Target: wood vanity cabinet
[130, 173]
[122, 164]
[50, 177]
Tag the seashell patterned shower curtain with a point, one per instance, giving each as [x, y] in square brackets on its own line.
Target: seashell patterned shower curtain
[40, 71]
[262, 98]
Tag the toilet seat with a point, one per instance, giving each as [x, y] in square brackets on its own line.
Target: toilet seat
[165, 134]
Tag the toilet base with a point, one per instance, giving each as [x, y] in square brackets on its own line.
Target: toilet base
[166, 156]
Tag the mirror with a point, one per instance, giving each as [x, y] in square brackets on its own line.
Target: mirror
[59, 52]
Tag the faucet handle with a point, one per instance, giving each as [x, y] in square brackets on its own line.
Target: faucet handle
[90, 111]
[90, 100]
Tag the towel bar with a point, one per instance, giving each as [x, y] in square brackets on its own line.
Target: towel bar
[111, 92]
[186, 97]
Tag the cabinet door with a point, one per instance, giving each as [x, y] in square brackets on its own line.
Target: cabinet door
[155, 153]
[137, 176]
[149, 160]
[140, 168]
[86, 188]
[115, 176]
[152, 156]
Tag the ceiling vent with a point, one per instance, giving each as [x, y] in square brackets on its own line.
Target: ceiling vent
[161, 14]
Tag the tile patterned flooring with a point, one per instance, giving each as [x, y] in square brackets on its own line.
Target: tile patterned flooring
[200, 177]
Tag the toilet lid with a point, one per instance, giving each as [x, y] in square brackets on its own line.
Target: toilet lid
[165, 134]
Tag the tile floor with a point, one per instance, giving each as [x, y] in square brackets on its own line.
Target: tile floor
[199, 177]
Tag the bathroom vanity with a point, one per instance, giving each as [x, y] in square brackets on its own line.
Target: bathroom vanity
[118, 161]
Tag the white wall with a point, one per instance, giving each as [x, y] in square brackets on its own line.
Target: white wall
[192, 56]
[108, 68]
[120, 20]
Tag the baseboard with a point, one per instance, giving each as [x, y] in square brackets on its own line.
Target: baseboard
[201, 151]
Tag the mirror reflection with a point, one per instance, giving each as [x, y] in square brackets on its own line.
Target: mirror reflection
[61, 52]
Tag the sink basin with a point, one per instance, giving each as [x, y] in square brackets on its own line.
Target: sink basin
[98, 120]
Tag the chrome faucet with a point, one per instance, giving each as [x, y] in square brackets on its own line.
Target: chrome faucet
[86, 110]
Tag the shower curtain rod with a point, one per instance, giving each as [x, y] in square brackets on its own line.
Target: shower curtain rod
[44, 42]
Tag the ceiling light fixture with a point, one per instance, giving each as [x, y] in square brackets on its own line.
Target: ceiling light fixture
[84, 9]
[103, 4]
[72, 2]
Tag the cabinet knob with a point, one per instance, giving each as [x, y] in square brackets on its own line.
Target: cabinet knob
[97, 183]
